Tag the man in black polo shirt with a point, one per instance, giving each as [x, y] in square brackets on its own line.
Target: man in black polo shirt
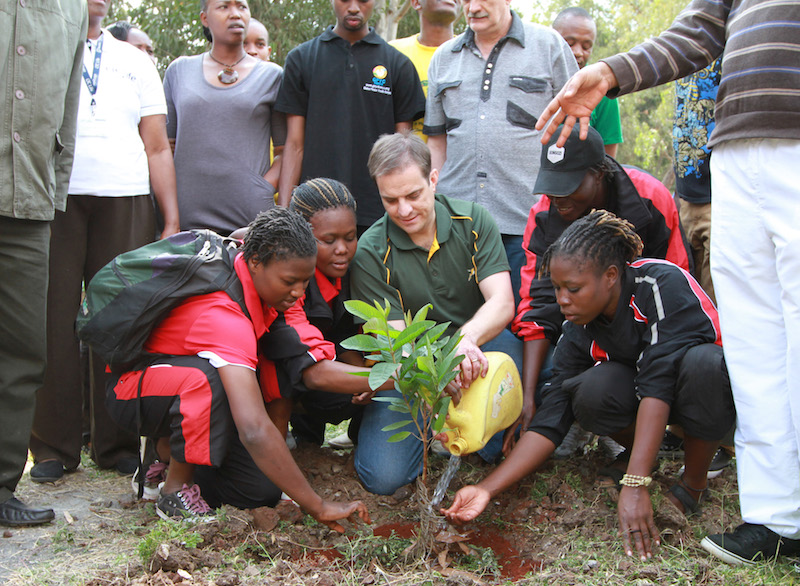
[341, 91]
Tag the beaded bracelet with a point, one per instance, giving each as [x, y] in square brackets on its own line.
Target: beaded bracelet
[635, 481]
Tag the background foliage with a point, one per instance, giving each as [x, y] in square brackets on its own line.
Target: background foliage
[174, 26]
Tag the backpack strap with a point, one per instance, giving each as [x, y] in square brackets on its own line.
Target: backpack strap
[234, 289]
[141, 474]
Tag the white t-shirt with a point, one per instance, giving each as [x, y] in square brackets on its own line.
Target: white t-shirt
[109, 153]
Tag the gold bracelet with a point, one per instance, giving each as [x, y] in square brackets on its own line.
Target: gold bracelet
[635, 481]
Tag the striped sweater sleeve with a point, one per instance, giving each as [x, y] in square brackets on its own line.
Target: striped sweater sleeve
[759, 92]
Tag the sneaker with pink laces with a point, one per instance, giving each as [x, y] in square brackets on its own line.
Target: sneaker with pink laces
[153, 481]
[186, 504]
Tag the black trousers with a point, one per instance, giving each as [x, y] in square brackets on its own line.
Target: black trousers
[24, 250]
[323, 407]
[604, 398]
[237, 482]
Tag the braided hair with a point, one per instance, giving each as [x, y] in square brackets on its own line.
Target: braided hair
[278, 234]
[316, 195]
[599, 237]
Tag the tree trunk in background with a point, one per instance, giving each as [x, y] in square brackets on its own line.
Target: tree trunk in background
[389, 13]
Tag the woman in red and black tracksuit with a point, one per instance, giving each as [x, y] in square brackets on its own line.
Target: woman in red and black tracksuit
[200, 395]
[640, 349]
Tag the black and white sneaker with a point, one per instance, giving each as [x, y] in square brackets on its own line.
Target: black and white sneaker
[186, 504]
[749, 544]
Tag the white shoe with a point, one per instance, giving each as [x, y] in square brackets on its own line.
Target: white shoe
[437, 447]
[341, 442]
[722, 459]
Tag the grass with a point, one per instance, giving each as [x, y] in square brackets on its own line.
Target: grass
[366, 549]
[482, 562]
[165, 531]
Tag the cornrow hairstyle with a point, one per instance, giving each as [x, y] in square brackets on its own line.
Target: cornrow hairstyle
[599, 237]
[320, 194]
[278, 234]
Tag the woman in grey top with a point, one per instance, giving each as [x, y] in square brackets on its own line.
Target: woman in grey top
[221, 117]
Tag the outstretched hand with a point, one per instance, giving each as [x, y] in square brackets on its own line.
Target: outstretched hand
[331, 512]
[468, 503]
[576, 100]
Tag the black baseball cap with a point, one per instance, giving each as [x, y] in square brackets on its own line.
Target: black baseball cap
[562, 169]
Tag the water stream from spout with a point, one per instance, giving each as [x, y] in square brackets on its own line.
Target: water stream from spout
[447, 476]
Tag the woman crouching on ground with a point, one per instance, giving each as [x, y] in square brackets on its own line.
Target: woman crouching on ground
[641, 349]
[330, 208]
[200, 396]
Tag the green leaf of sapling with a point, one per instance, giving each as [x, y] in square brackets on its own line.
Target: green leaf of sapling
[435, 332]
[364, 310]
[409, 334]
[380, 373]
[398, 437]
[396, 425]
[422, 314]
[361, 343]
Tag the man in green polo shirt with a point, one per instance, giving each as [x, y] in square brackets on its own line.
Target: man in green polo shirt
[428, 248]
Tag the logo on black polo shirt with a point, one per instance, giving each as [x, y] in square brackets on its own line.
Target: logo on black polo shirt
[378, 85]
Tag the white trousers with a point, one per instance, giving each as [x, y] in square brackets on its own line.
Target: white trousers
[755, 265]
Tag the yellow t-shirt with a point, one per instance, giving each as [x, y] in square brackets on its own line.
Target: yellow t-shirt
[420, 56]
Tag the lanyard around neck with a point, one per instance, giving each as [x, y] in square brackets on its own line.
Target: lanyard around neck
[91, 82]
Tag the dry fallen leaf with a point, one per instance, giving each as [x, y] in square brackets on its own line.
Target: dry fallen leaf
[447, 536]
[443, 561]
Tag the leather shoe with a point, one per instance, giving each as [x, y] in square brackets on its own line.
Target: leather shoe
[47, 471]
[14, 512]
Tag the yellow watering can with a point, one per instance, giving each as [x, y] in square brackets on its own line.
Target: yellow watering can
[488, 405]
